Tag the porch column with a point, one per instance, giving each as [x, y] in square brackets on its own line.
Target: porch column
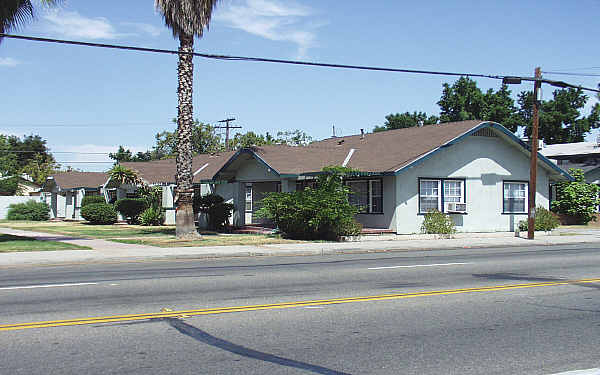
[288, 185]
[168, 204]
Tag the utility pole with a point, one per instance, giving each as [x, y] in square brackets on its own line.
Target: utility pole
[227, 127]
[534, 150]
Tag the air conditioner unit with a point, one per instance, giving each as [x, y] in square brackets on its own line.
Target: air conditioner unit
[454, 207]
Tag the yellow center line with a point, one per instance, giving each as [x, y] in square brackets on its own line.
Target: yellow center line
[283, 305]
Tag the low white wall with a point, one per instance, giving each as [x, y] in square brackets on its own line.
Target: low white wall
[8, 200]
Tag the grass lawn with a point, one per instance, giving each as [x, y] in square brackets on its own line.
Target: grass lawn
[10, 244]
[163, 236]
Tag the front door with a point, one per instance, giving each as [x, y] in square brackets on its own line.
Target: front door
[248, 205]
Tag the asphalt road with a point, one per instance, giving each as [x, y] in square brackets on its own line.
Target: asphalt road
[476, 311]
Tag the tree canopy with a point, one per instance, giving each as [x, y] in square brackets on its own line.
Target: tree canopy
[28, 155]
[561, 118]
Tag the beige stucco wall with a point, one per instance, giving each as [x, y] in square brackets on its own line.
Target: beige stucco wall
[484, 162]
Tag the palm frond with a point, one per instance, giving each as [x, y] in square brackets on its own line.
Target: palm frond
[15, 14]
[187, 17]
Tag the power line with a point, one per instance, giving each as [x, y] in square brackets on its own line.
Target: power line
[54, 152]
[246, 58]
[574, 74]
[297, 62]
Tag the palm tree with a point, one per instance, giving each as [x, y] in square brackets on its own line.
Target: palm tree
[186, 18]
[124, 176]
[16, 13]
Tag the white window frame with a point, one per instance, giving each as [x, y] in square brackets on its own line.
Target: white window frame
[247, 190]
[462, 190]
[525, 198]
[441, 187]
[439, 195]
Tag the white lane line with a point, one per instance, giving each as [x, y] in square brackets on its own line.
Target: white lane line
[591, 371]
[45, 286]
[420, 265]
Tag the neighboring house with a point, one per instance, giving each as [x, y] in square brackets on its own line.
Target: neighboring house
[162, 173]
[579, 155]
[64, 191]
[26, 186]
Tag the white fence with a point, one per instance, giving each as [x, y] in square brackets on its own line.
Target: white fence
[6, 201]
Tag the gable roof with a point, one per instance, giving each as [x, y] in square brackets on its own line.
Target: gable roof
[385, 153]
[74, 180]
[382, 153]
[204, 167]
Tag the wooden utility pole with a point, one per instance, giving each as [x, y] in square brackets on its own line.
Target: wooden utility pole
[227, 127]
[534, 151]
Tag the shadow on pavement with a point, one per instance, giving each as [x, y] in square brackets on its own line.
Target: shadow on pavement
[207, 338]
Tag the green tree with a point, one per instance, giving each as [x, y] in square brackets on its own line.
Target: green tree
[16, 13]
[293, 138]
[406, 120]
[186, 18]
[577, 198]
[560, 119]
[26, 156]
[250, 139]
[465, 101]
[121, 155]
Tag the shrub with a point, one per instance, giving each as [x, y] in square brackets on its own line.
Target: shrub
[544, 220]
[436, 222]
[88, 199]
[131, 208]
[99, 213]
[217, 210]
[219, 214]
[30, 210]
[152, 216]
[577, 198]
[322, 212]
[152, 195]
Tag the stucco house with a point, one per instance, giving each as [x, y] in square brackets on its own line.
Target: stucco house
[64, 191]
[475, 171]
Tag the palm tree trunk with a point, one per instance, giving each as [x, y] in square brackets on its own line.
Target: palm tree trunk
[184, 219]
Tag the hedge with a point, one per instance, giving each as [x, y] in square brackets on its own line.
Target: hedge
[99, 213]
[30, 210]
[88, 199]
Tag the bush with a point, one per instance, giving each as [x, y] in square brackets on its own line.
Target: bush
[577, 199]
[30, 210]
[217, 211]
[99, 213]
[544, 220]
[436, 222]
[131, 208]
[88, 199]
[320, 213]
[152, 216]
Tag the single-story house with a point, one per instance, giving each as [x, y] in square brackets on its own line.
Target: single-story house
[64, 191]
[475, 171]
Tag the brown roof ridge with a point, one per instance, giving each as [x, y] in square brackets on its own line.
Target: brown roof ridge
[392, 131]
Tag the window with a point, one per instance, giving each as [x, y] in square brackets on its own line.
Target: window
[248, 197]
[515, 197]
[303, 184]
[435, 193]
[367, 195]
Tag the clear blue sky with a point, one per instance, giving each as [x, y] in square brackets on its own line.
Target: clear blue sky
[92, 100]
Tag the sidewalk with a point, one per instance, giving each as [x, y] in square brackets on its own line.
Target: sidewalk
[106, 251]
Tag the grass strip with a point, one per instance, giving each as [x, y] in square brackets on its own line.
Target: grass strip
[11, 244]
